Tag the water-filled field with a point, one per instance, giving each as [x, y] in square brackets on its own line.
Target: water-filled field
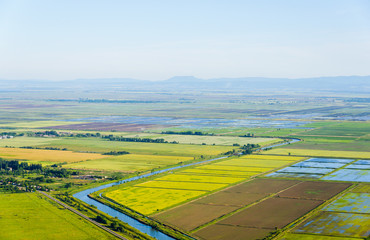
[355, 175]
[317, 168]
[347, 216]
[196, 123]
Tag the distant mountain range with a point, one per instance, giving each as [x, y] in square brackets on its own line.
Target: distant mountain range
[360, 84]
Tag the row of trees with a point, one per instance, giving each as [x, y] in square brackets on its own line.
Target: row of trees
[131, 139]
[188, 133]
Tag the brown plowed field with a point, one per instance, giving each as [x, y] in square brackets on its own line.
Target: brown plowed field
[192, 215]
[226, 232]
[263, 186]
[315, 190]
[204, 210]
[121, 127]
[271, 213]
[232, 198]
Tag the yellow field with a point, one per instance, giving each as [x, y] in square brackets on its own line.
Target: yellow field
[151, 200]
[235, 168]
[182, 185]
[214, 172]
[130, 162]
[253, 163]
[198, 178]
[263, 157]
[46, 156]
[318, 153]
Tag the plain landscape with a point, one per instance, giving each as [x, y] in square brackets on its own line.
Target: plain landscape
[242, 165]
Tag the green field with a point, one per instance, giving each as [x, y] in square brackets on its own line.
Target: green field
[101, 145]
[317, 153]
[31, 216]
[26, 141]
[129, 162]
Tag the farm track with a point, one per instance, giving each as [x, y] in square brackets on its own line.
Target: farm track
[83, 216]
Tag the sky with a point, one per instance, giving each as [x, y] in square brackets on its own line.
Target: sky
[155, 40]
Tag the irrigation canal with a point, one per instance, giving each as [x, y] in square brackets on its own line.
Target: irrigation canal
[83, 196]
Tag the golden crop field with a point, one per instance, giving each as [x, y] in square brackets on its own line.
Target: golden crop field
[263, 157]
[46, 156]
[130, 162]
[199, 178]
[318, 153]
[235, 168]
[254, 163]
[151, 200]
[182, 185]
[214, 172]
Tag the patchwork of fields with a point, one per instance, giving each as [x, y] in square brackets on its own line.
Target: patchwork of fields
[347, 216]
[193, 182]
[39, 218]
[250, 210]
[328, 169]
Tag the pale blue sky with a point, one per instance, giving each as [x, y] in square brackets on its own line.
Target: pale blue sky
[158, 39]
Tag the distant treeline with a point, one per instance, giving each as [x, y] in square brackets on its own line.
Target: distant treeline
[126, 139]
[15, 165]
[14, 134]
[45, 148]
[116, 153]
[188, 133]
[103, 100]
[245, 149]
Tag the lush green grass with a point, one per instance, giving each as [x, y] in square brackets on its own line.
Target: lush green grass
[130, 162]
[31, 216]
[25, 141]
[342, 129]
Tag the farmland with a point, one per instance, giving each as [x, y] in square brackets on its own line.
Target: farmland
[129, 162]
[318, 153]
[249, 210]
[47, 156]
[42, 219]
[101, 145]
[327, 169]
[347, 216]
[192, 182]
[307, 190]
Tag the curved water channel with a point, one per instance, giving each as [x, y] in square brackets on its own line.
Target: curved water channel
[83, 196]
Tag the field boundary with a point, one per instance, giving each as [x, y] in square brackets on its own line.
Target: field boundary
[83, 216]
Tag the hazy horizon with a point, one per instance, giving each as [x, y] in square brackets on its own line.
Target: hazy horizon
[143, 39]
